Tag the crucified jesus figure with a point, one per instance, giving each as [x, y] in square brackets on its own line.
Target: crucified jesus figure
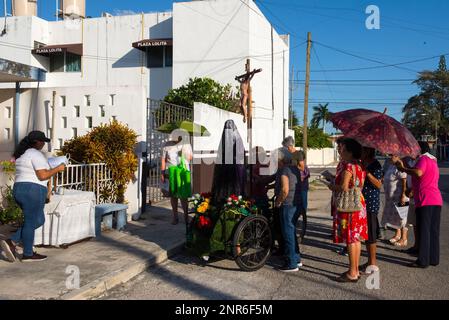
[244, 81]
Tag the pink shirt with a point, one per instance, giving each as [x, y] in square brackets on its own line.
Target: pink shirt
[425, 188]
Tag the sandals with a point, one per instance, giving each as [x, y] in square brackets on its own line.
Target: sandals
[394, 240]
[344, 278]
[369, 269]
[401, 243]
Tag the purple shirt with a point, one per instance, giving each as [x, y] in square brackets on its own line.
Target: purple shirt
[425, 188]
[305, 175]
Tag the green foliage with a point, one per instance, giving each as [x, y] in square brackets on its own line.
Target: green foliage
[316, 138]
[321, 114]
[430, 108]
[10, 211]
[204, 90]
[112, 144]
[293, 119]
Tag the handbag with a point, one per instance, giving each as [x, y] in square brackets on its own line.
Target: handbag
[350, 201]
[180, 180]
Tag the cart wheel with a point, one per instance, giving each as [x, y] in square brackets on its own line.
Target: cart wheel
[251, 244]
[302, 227]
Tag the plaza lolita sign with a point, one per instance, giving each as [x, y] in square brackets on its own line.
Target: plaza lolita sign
[48, 50]
[152, 43]
[76, 48]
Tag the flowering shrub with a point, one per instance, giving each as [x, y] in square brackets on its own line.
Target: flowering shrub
[9, 209]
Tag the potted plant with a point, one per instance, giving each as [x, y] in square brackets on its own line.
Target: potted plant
[11, 216]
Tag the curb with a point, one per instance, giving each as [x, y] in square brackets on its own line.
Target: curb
[100, 286]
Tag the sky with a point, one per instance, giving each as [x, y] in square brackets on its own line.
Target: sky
[410, 30]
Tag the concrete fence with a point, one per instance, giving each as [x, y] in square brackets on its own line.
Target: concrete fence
[321, 157]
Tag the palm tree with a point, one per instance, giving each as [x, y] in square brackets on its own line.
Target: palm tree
[321, 114]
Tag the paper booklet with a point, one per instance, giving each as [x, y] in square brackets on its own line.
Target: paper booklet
[56, 161]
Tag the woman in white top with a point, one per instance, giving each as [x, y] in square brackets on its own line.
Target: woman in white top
[395, 187]
[30, 193]
[171, 156]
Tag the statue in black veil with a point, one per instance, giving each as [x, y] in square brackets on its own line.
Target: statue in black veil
[229, 173]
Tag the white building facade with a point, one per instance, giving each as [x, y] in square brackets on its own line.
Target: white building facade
[94, 73]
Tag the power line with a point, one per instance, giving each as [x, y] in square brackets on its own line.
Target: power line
[372, 60]
[324, 74]
[427, 32]
[362, 80]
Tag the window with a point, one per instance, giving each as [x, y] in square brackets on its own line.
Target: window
[168, 56]
[74, 132]
[77, 111]
[7, 133]
[102, 112]
[57, 62]
[65, 62]
[159, 57]
[87, 100]
[114, 118]
[8, 113]
[61, 143]
[62, 101]
[89, 122]
[111, 99]
[72, 62]
[64, 122]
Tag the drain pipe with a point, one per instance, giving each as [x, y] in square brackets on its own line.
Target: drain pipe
[16, 115]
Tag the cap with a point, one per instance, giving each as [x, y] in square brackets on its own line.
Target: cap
[38, 136]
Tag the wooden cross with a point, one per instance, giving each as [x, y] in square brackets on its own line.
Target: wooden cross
[246, 104]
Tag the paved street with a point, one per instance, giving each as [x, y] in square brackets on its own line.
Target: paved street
[185, 277]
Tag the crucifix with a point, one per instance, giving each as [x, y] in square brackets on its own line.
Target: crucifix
[246, 106]
[245, 92]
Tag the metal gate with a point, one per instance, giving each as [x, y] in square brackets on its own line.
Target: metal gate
[158, 113]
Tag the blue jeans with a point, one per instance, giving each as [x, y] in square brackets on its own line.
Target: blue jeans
[289, 218]
[31, 199]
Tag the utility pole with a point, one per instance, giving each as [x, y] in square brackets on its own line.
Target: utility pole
[306, 95]
[290, 107]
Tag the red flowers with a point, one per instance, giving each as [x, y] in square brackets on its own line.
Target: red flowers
[204, 222]
[206, 195]
[234, 197]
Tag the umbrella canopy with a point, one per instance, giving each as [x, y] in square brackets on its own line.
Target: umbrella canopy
[376, 130]
[189, 126]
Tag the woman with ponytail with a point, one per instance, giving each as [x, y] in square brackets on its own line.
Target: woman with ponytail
[30, 193]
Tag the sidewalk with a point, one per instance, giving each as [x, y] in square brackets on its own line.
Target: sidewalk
[103, 262]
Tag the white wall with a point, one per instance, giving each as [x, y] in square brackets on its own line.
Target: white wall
[321, 157]
[223, 34]
[214, 119]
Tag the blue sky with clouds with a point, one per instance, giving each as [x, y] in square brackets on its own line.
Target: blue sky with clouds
[410, 30]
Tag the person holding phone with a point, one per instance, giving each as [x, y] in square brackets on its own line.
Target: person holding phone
[30, 193]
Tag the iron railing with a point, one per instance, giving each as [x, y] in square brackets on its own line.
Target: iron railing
[158, 114]
[94, 177]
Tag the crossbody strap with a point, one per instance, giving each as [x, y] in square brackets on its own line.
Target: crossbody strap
[354, 177]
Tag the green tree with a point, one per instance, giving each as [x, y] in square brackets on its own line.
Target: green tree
[294, 121]
[316, 138]
[430, 108]
[204, 90]
[321, 114]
